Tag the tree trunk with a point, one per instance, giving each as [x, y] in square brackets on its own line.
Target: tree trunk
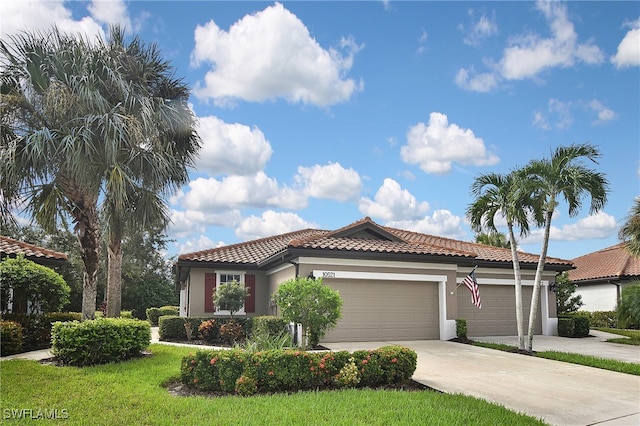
[535, 298]
[114, 277]
[518, 288]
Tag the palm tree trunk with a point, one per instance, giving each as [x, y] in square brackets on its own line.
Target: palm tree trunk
[535, 298]
[114, 277]
[518, 288]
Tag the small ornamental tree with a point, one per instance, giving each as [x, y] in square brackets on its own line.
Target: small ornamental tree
[629, 306]
[309, 302]
[43, 287]
[567, 302]
[230, 296]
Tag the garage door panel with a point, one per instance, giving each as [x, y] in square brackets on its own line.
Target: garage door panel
[497, 316]
[385, 310]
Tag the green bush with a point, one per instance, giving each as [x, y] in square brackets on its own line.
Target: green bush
[293, 370]
[37, 328]
[606, 319]
[99, 341]
[209, 331]
[629, 307]
[171, 327]
[154, 313]
[566, 327]
[10, 338]
[461, 328]
[581, 327]
[269, 325]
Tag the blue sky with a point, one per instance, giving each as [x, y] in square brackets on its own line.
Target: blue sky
[316, 114]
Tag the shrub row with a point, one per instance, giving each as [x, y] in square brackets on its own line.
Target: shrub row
[99, 341]
[605, 319]
[573, 326]
[214, 331]
[37, 328]
[154, 313]
[10, 338]
[246, 373]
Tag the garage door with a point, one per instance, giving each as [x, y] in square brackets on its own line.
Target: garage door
[385, 310]
[498, 314]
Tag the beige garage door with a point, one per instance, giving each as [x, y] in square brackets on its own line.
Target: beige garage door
[498, 314]
[385, 310]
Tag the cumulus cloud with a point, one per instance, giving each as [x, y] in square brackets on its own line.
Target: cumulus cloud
[271, 223]
[197, 244]
[436, 145]
[231, 148]
[599, 225]
[34, 15]
[441, 223]
[558, 116]
[112, 12]
[604, 114]
[527, 55]
[332, 182]
[628, 53]
[391, 202]
[270, 55]
[189, 222]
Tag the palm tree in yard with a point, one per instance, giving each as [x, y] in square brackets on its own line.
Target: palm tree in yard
[630, 230]
[562, 177]
[503, 195]
[493, 238]
[87, 122]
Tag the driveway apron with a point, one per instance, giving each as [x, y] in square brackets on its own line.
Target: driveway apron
[558, 393]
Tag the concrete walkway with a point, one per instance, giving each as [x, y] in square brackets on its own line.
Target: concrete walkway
[556, 392]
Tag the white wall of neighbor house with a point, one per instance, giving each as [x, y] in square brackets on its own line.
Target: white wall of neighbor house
[598, 297]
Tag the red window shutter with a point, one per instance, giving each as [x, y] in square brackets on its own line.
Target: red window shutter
[209, 288]
[250, 302]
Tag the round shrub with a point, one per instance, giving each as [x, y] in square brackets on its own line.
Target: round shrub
[99, 341]
[209, 331]
[10, 338]
[154, 313]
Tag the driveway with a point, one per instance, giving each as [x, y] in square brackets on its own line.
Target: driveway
[558, 393]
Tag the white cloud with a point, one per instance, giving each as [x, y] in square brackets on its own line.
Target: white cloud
[530, 54]
[270, 55]
[111, 12]
[558, 115]
[256, 190]
[628, 53]
[481, 28]
[189, 222]
[435, 146]
[19, 16]
[231, 148]
[469, 79]
[200, 243]
[604, 114]
[332, 182]
[441, 223]
[599, 225]
[271, 223]
[391, 202]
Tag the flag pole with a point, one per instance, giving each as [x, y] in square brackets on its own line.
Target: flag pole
[472, 271]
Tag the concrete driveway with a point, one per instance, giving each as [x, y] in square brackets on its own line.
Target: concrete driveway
[556, 392]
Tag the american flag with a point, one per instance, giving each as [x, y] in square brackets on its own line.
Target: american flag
[471, 283]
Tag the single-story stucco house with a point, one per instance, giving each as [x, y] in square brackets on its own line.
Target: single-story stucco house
[395, 284]
[601, 276]
[10, 247]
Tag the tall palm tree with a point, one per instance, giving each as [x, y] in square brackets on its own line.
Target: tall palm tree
[563, 176]
[502, 195]
[155, 164]
[630, 230]
[493, 238]
[74, 124]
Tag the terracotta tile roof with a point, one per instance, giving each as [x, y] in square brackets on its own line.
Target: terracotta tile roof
[11, 247]
[363, 236]
[613, 262]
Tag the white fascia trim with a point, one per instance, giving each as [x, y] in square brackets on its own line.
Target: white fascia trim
[279, 268]
[374, 263]
[381, 276]
[500, 281]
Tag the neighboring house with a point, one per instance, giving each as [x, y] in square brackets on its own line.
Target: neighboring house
[10, 247]
[395, 284]
[601, 276]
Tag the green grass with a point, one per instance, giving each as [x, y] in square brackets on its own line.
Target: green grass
[589, 361]
[131, 393]
[632, 337]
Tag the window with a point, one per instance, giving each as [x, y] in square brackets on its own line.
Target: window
[213, 279]
[228, 277]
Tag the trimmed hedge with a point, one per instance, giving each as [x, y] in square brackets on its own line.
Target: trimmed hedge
[171, 327]
[37, 328]
[573, 326]
[291, 370]
[605, 319]
[10, 338]
[99, 341]
[269, 325]
[154, 313]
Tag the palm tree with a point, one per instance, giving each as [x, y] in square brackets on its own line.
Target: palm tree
[630, 230]
[497, 194]
[154, 165]
[493, 238]
[77, 128]
[562, 177]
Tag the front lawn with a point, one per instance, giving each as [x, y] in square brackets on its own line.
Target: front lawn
[132, 392]
[632, 337]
